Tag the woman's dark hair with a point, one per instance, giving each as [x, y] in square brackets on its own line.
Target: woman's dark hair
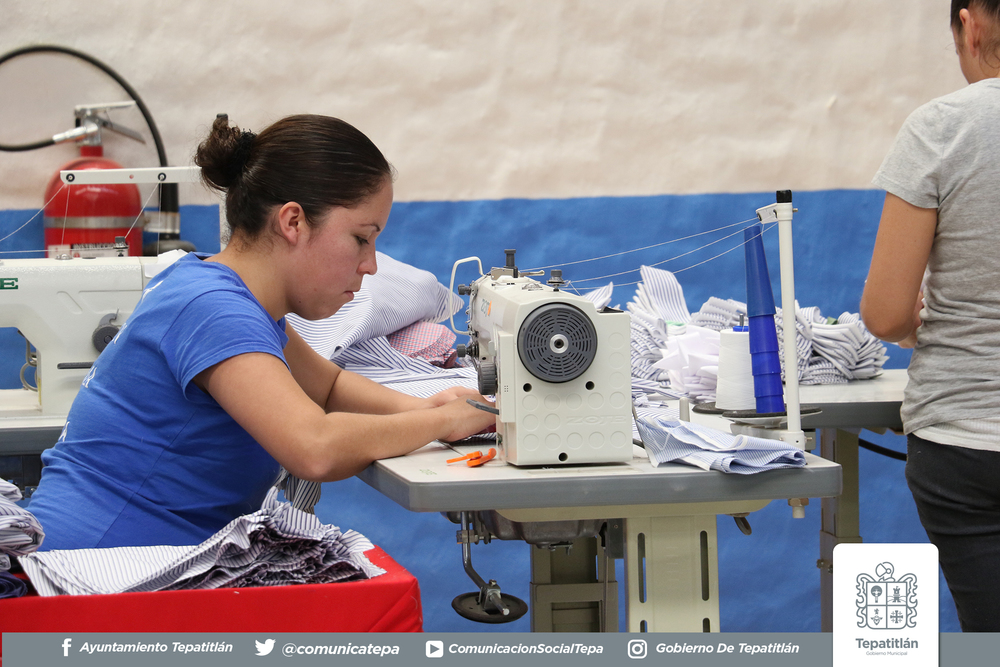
[317, 161]
[991, 45]
[991, 7]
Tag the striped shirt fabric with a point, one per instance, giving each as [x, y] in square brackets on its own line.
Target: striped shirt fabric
[829, 351]
[668, 440]
[275, 546]
[20, 532]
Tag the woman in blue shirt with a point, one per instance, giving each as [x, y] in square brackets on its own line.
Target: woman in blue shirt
[186, 418]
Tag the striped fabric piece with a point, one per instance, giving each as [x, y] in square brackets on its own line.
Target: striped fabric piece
[718, 314]
[301, 494]
[660, 293]
[668, 440]
[601, 296]
[434, 343]
[379, 353]
[276, 546]
[833, 351]
[20, 532]
[658, 303]
[395, 297]
[423, 386]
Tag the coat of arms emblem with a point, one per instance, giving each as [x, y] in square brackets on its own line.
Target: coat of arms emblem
[887, 603]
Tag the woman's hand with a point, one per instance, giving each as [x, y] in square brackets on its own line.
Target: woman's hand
[450, 394]
[464, 419]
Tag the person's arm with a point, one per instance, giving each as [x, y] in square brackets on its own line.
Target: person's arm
[892, 299]
[337, 390]
[259, 392]
[323, 423]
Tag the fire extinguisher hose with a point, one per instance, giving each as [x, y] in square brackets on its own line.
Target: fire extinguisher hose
[169, 201]
[51, 48]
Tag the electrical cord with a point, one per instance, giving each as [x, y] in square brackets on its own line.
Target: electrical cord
[884, 451]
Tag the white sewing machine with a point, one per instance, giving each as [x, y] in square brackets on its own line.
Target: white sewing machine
[68, 310]
[559, 368]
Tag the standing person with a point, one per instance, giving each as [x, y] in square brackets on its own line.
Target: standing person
[941, 217]
[185, 418]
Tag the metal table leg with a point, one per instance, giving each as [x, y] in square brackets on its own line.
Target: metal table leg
[840, 522]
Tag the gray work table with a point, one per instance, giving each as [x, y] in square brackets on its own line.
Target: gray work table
[423, 482]
[667, 505]
[667, 516]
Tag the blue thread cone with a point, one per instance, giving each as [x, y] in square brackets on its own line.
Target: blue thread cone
[765, 363]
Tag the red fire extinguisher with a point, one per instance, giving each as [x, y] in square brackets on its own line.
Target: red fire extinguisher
[84, 220]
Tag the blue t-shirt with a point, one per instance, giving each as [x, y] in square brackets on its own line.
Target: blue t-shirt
[148, 458]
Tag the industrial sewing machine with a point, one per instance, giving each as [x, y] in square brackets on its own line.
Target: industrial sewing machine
[68, 310]
[560, 371]
[558, 366]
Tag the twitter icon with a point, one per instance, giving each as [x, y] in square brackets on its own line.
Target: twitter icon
[263, 648]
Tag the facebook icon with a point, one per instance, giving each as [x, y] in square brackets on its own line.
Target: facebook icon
[66, 644]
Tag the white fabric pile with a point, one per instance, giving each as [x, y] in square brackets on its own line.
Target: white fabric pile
[275, 546]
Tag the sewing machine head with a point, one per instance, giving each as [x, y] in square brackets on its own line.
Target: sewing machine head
[67, 309]
[559, 368]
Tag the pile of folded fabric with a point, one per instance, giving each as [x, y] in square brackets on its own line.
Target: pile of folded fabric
[275, 546]
[20, 534]
[833, 351]
[718, 314]
[675, 353]
[669, 440]
[658, 307]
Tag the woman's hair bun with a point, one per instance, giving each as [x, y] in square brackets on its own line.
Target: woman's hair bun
[224, 155]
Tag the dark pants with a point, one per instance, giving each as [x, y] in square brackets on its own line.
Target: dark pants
[957, 492]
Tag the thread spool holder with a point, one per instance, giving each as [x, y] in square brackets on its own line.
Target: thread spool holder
[785, 426]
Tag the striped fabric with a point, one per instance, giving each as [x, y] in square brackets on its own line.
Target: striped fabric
[275, 546]
[658, 303]
[718, 314]
[20, 532]
[434, 343]
[668, 440]
[832, 351]
[828, 351]
[395, 297]
[301, 494]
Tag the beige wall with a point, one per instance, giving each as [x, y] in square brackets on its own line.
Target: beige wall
[477, 99]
